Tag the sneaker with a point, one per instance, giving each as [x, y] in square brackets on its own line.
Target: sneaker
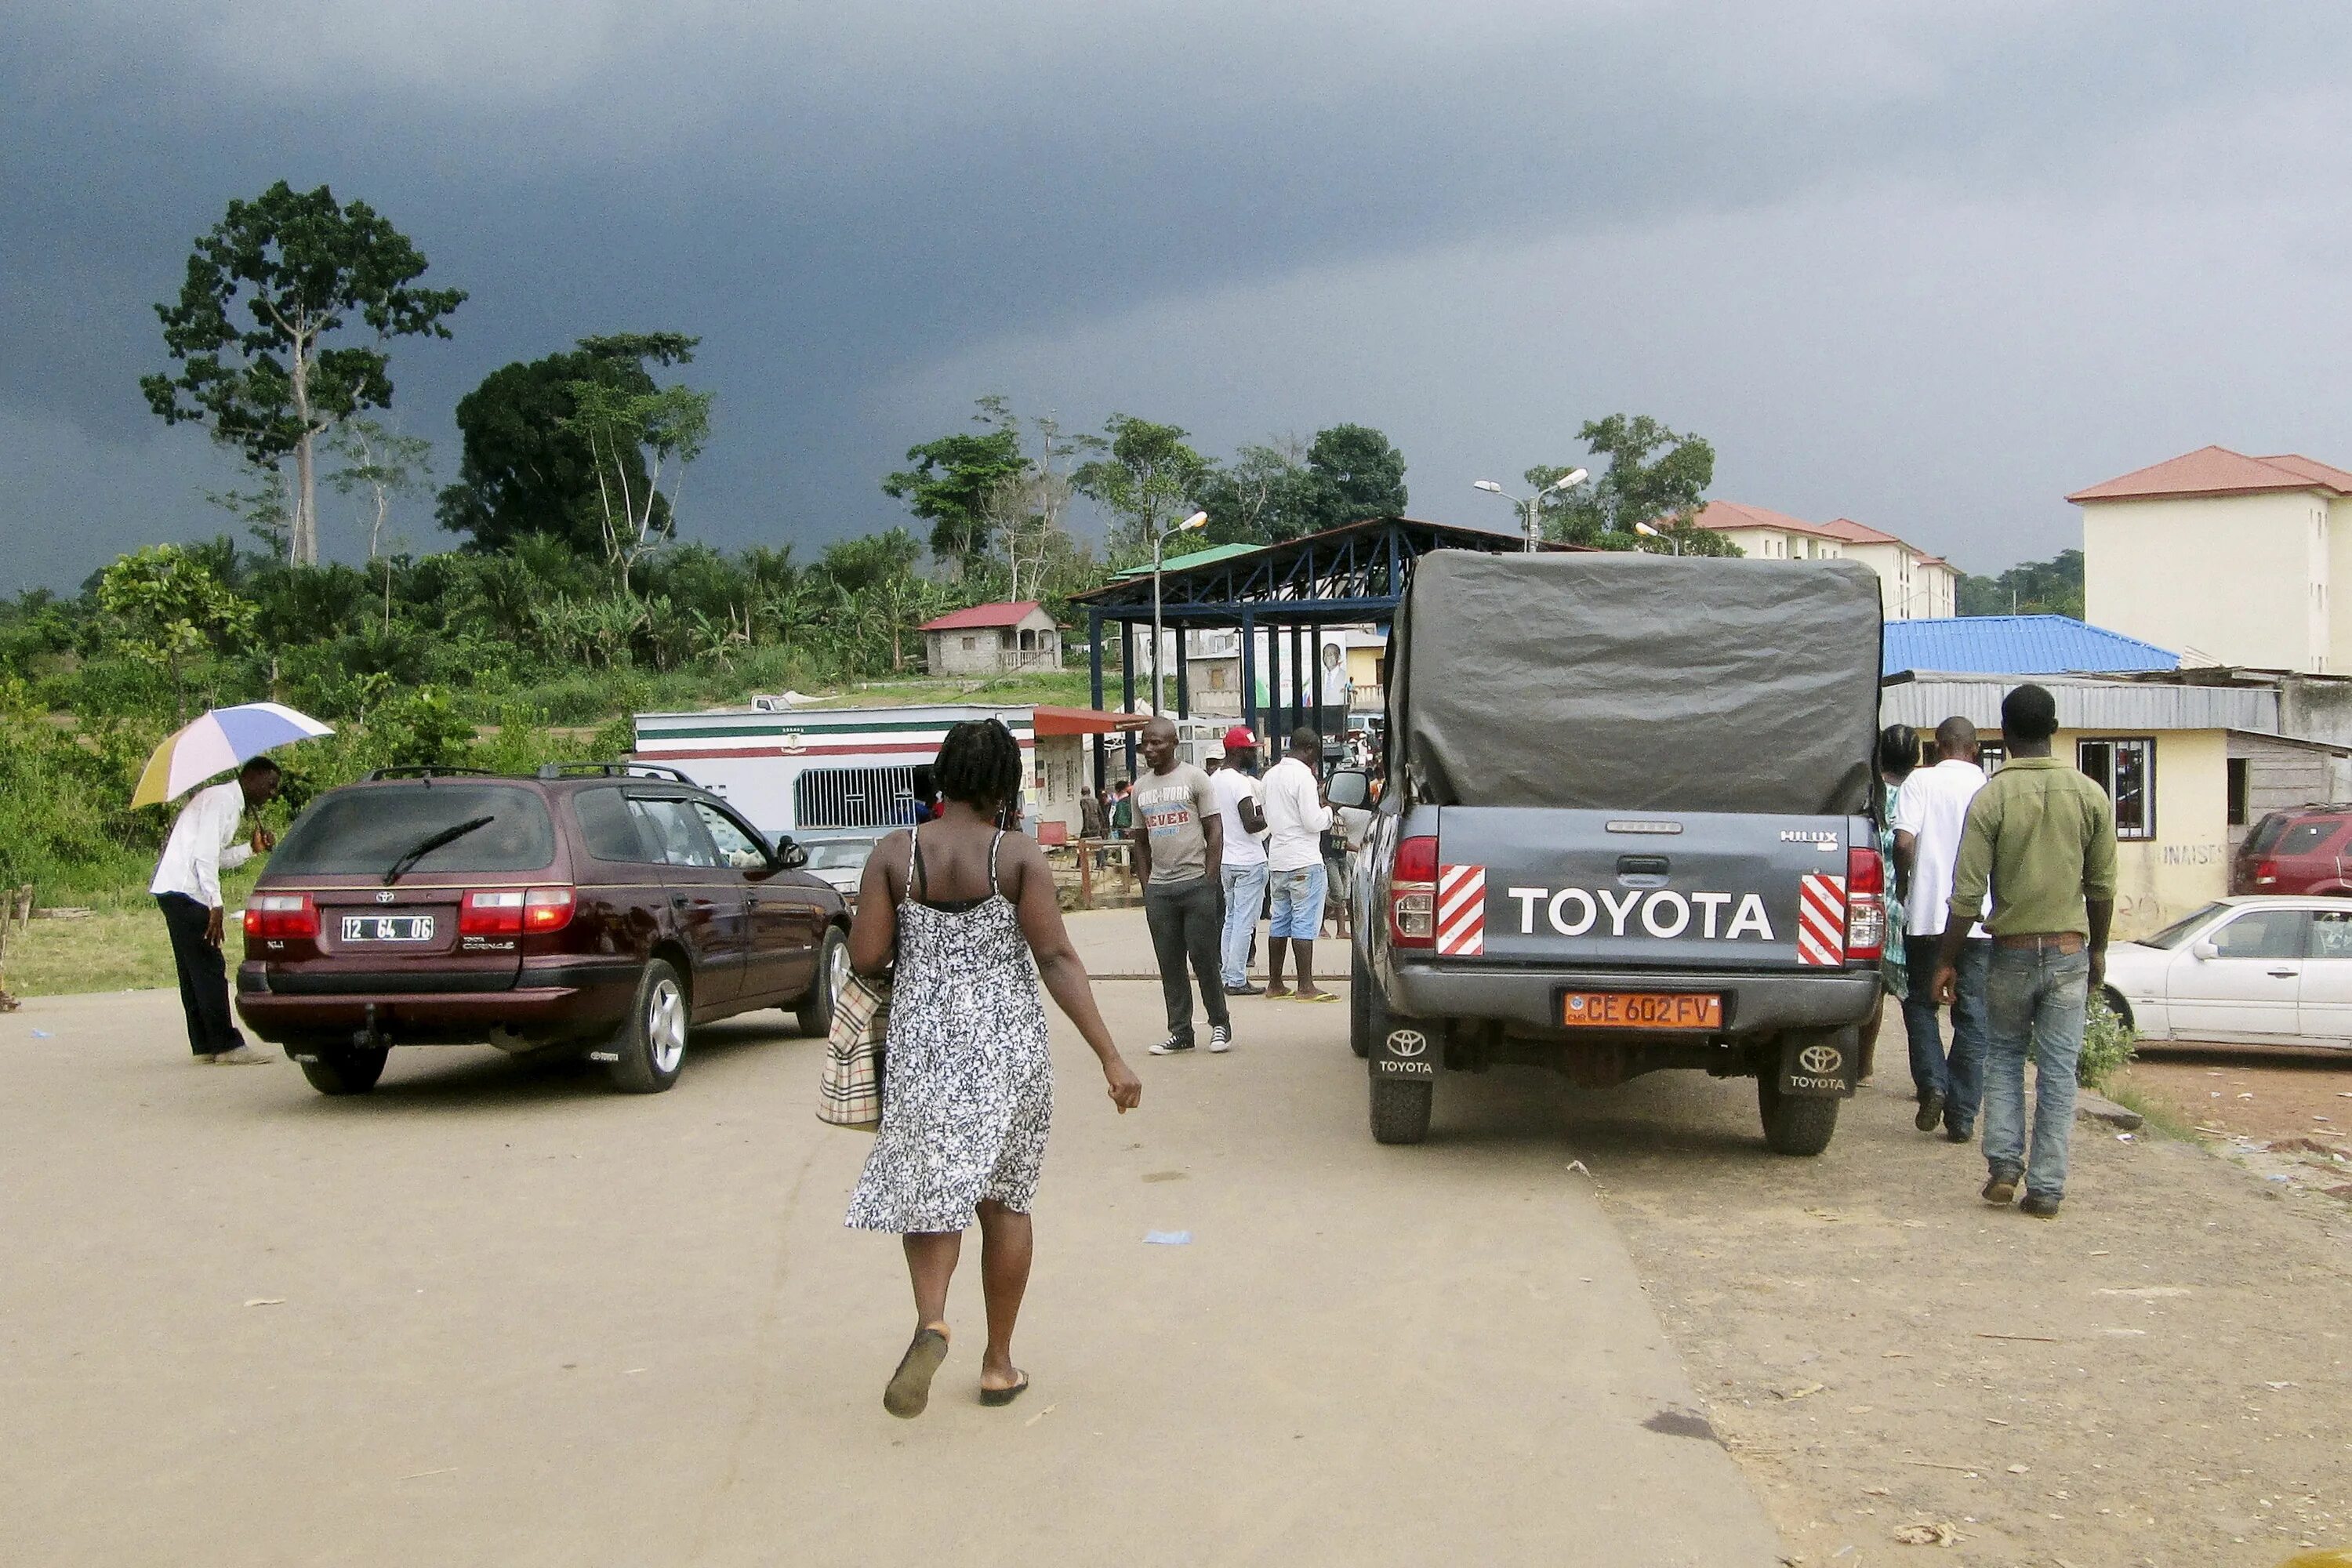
[1244, 990]
[244, 1056]
[2001, 1189]
[1221, 1039]
[1931, 1112]
[2039, 1206]
[1171, 1044]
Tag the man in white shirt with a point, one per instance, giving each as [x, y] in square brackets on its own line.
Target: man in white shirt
[187, 888]
[1243, 869]
[1296, 818]
[1929, 813]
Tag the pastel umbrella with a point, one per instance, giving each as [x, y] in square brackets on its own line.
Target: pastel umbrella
[222, 739]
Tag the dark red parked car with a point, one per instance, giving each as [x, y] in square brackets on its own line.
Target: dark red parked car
[601, 909]
[2303, 851]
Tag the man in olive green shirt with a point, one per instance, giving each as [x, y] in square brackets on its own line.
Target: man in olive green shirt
[2043, 835]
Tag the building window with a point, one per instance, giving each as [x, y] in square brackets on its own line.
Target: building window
[1216, 678]
[2126, 770]
[971, 645]
[2237, 792]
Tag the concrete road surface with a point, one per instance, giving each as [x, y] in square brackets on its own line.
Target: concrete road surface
[497, 1314]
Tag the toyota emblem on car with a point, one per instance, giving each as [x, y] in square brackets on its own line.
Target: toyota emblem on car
[1407, 1042]
[1820, 1059]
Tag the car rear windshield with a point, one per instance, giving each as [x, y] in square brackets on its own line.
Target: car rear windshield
[2266, 833]
[838, 854]
[364, 831]
[2175, 933]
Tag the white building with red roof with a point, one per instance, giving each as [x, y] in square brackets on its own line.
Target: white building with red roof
[2228, 558]
[1913, 584]
[992, 640]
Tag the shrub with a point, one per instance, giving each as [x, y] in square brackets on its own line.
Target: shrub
[2108, 1043]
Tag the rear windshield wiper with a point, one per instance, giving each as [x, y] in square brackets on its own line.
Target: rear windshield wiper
[419, 850]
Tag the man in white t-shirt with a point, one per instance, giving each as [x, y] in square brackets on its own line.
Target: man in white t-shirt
[1296, 817]
[1238, 792]
[1929, 813]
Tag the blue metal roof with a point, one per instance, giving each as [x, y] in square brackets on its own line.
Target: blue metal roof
[2015, 645]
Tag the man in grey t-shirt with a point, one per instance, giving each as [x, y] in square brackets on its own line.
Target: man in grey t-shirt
[1179, 844]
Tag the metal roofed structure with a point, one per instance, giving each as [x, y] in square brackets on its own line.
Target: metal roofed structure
[1346, 575]
[1925, 698]
[2015, 645]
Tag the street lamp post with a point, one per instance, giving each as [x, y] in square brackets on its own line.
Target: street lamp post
[1646, 531]
[1197, 521]
[1532, 506]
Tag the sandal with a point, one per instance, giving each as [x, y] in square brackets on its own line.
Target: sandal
[1005, 1396]
[910, 1386]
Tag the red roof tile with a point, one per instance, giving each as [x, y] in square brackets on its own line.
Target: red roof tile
[983, 615]
[1731, 517]
[1854, 533]
[2218, 471]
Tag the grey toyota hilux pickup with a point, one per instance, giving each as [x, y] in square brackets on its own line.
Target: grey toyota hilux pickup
[1627, 826]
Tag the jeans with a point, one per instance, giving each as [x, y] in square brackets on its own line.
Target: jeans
[1245, 890]
[2033, 997]
[203, 976]
[1299, 902]
[1961, 1078]
[1185, 925]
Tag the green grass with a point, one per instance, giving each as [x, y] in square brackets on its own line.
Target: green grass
[121, 946]
[2163, 1116]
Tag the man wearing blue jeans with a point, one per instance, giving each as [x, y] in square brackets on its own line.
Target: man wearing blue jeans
[1931, 811]
[2044, 836]
[1297, 817]
[1243, 869]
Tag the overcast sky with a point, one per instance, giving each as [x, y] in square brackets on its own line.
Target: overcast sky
[1930, 266]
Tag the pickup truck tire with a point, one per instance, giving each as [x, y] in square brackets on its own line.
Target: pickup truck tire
[1401, 1109]
[1794, 1124]
[815, 1011]
[649, 1046]
[342, 1069]
[1359, 1004]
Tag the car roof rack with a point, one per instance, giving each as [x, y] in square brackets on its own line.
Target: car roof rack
[428, 771]
[619, 770]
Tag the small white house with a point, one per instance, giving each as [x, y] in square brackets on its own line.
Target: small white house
[992, 640]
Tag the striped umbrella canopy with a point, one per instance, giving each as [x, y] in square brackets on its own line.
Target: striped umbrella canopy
[222, 739]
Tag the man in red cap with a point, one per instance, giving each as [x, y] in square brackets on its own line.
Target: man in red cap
[1240, 805]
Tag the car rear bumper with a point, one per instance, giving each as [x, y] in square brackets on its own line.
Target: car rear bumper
[551, 1001]
[1753, 1004]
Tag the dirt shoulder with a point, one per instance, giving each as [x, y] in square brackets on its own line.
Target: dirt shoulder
[2158, 1376]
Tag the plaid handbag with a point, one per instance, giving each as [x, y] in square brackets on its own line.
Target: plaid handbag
[849, 1092]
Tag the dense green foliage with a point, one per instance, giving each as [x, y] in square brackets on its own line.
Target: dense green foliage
[2051, 587]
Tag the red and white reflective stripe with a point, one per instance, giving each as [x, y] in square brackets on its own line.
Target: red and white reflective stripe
[1462, 911]
[1821, 919]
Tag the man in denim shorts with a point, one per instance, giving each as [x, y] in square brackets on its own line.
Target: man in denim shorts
[2043, 835]
[1297, 815]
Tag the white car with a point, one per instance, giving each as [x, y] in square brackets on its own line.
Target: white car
[2256, 970]
[839, 858]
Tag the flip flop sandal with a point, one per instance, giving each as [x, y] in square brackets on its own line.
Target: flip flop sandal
[1319, 996]
[1005, 1396]
[910, 1386]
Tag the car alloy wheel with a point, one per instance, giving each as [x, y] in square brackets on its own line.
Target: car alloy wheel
[666, 1026]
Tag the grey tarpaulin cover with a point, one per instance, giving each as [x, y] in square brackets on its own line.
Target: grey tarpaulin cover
[1636, 682]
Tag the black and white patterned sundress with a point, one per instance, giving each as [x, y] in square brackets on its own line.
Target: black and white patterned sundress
[968, 1088]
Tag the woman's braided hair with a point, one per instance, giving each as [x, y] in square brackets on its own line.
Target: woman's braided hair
[979, 764]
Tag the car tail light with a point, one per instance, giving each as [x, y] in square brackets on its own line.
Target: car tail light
[275, 917]
[547, 909]
[494, 913]
[2265, 873]
[1866, 906]
[1413, 894]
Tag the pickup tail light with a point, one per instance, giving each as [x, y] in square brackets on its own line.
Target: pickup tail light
[1413, 894]
[281, 917]
[1866, 906]
[510, 911]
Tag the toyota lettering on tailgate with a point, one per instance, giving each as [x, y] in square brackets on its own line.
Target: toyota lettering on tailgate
[1660, 913]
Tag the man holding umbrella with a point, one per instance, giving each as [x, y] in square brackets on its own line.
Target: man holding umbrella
[203, 845]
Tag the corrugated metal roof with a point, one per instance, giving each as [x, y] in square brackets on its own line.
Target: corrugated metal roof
[2015, 645]
[1926, 700]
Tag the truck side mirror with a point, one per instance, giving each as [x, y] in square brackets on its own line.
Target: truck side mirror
[1350, 788]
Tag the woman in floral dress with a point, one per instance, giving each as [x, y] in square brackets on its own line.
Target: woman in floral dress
[963, 915]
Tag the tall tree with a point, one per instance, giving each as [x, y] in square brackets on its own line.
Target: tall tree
[380, 465]
[1654, 475]
[525, 469]
[1263, 495]
[632, 437]
[955, 482]
[296, 267]
[1354, 472]
[1146, 480]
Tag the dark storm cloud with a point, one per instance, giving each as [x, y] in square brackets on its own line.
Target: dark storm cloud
[845, 202]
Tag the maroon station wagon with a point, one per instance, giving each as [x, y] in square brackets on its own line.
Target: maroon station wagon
[599, 909]
[2303, 851]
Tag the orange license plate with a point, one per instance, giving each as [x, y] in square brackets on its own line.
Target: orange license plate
[1640, 1010]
